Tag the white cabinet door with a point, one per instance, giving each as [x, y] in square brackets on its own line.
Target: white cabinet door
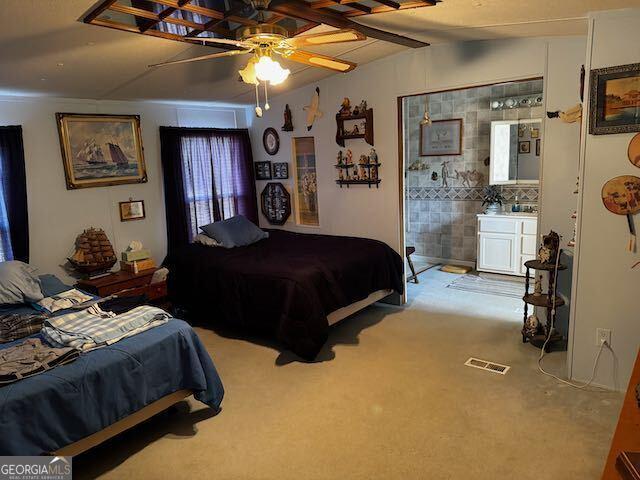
[496, 252]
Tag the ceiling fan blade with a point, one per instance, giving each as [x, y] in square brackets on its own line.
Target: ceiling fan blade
[228, 53]
[223, 41]
[317, 60]
[335, 36]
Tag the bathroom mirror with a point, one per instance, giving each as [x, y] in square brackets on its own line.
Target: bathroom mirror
[515, 151]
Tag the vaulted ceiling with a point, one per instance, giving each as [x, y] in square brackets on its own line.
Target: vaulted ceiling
[47, 49]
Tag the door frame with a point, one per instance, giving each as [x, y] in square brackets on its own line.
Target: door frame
[401, 159]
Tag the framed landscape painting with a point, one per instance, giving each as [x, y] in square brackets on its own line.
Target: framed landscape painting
[615, 100]
[101, 150]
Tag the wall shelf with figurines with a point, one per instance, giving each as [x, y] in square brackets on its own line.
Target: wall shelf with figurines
[351, 130]
[365, 172]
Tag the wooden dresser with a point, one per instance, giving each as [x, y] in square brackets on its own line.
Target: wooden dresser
[126, 284]
[627, 435]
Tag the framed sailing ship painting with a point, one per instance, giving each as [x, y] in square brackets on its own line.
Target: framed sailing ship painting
[101, 150]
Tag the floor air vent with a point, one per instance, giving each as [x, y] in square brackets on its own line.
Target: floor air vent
[489, 366]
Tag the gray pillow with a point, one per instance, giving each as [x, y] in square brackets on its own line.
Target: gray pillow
[19, 283]
[234, 232]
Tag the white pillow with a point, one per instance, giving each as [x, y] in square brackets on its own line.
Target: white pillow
[206, 240]
[19, 283]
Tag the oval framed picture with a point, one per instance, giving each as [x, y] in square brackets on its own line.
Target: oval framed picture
[271, 141]
[634, 150]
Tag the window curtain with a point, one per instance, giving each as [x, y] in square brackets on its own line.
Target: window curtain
[208, 177]
[14, 220]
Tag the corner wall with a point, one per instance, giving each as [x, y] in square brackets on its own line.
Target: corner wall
[606, 289]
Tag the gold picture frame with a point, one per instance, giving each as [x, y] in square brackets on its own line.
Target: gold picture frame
[101, 150]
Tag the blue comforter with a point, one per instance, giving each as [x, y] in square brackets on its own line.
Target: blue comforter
[51, 410]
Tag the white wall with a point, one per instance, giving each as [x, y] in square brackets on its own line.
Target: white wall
[605, 286]
[561, 140]
[57, 215]
[374, 213]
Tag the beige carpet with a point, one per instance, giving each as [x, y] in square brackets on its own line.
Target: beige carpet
[390, 400]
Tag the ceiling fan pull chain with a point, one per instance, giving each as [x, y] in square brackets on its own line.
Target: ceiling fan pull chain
[258, 109]
[266, 98]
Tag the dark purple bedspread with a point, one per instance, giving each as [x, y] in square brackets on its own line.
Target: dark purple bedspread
[285, 285]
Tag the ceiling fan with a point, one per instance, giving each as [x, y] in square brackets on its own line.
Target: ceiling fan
[265, 40]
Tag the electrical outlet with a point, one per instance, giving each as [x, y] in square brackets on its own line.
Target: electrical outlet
[603, 335]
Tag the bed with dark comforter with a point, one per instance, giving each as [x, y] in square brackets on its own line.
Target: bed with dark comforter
[56, 408]
[284, 285]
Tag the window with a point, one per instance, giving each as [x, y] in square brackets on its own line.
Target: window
[207, 163]
[208, 177]
[14, 222]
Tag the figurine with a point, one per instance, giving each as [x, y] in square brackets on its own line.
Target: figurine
[349, 160]
[288, 123]
[537, 291]
[313, 109]
[445, 173]
[356, 110]
[373, 156]
[363, 107]
[345, 107]
[361, 169]
[373, 172]
[340, 158]
[531, 326]
[549, 249]
[340, 174]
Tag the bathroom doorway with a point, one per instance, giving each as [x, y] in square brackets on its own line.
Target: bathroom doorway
[446, 145]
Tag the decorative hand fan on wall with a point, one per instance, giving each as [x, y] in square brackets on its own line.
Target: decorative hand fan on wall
[264, 29]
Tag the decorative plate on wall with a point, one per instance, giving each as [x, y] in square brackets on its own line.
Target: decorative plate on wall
[275, 203]
[271, 141]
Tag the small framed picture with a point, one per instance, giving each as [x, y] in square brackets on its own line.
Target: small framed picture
[281, 171]
[263, 170]
[535, 133]
[537, 147]
[524, 147]
[615, 100]
[441, 138]
[132, 210]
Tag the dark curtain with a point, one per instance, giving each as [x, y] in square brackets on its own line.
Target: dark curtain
[14, 220]
[208, 176]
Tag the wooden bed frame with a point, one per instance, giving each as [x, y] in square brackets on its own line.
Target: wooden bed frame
[120, 426]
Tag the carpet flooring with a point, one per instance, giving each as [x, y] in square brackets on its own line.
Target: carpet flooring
[388, 398]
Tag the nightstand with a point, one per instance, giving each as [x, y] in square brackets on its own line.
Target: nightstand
[127, 284]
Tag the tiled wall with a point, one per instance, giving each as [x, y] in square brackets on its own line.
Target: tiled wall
[441, 220]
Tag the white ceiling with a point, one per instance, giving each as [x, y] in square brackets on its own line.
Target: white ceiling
[46, 50]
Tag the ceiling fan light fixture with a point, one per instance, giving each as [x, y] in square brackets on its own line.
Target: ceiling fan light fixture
[268, 70]
[248, 73]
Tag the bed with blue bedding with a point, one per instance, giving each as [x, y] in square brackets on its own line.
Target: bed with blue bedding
[48, 412]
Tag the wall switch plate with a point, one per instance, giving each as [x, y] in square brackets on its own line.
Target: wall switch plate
[603, 334]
